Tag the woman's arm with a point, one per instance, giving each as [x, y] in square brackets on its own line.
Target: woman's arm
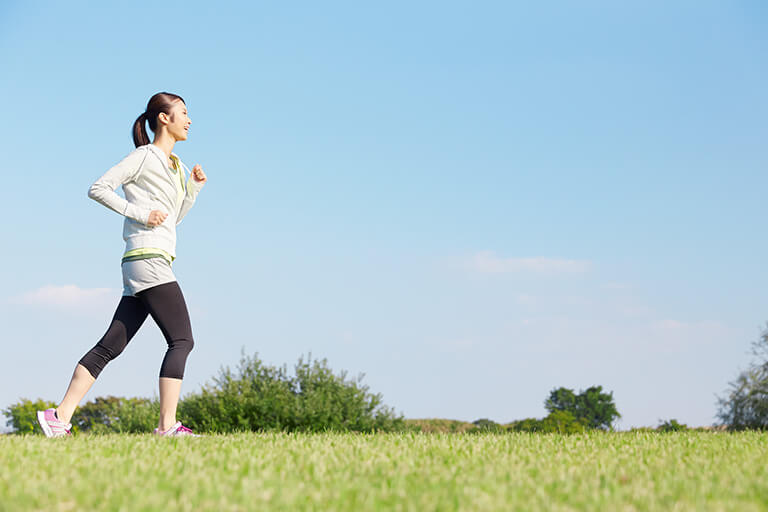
[103, 190]
[195, 182]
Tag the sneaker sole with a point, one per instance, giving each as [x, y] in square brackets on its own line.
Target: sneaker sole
[47, 430]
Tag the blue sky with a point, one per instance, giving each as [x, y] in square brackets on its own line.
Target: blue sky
[471, 203]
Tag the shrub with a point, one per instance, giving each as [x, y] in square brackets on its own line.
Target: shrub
[671, 426]
[525, 425]
[100, 416]
[327, 401]
[22, 416]
[438, 425]
[559, 422]
[253, 397]
[261, 397]
[642, 430]
[115, 414]
[563, 422]
[485, 425]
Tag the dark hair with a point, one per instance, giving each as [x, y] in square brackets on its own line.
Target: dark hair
[160, 102]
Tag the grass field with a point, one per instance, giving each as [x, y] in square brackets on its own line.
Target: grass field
[278, 471]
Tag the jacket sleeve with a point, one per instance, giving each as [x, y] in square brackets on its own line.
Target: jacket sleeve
[193, 188]
[127, 170]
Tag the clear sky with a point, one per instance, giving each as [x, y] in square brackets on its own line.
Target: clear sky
[470, 202]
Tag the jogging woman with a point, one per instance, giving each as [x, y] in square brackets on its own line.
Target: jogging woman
[158, 195]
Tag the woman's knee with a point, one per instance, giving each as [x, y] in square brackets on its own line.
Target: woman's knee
[184, 344]
[101, 354]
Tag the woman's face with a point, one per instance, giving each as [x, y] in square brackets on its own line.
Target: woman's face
[178, 121]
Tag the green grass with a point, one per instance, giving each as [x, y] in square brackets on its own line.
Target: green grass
[414, 471]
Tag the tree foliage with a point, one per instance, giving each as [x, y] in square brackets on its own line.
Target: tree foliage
[22, 416]
[592, 407]
[745, 405]
[556, 422]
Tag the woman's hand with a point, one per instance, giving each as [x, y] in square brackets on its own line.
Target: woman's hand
[156, 217]
[198, 174]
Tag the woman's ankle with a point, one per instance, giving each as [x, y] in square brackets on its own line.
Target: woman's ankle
[62, 416]
[165, 426]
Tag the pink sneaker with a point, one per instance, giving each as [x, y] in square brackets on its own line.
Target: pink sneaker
[51, 425]
[177, 430]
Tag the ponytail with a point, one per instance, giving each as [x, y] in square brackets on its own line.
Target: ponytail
[159, 103]
[140, 137]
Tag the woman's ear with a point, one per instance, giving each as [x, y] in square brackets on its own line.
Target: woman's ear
[163, 118]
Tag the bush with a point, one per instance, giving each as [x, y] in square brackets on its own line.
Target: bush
[253, 397]
[261, 397]
[114, 414]
[100, 416]
[642, 430]
[484, 425]
[671, 426]
[438, 425]
[563, 422]
[559, 422]
[22, 416]
[526, 425]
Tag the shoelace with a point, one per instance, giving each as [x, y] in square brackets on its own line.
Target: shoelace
[182, 428]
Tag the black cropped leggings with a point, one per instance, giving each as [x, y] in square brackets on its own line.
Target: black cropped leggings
[166, 304]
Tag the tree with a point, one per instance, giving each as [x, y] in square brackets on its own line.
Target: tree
[561, 399]
[746, 404]
[591, 407]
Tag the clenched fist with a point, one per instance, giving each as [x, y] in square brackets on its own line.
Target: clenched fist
[156, 217]
[198, 174]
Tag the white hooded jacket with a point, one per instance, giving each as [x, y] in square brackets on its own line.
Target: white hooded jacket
[149, 184]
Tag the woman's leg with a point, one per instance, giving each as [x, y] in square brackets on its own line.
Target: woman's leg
[79, 385]
[166, 304]
[129, 317]
[170, 390]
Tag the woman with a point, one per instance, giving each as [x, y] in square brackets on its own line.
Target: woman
[157, 197]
